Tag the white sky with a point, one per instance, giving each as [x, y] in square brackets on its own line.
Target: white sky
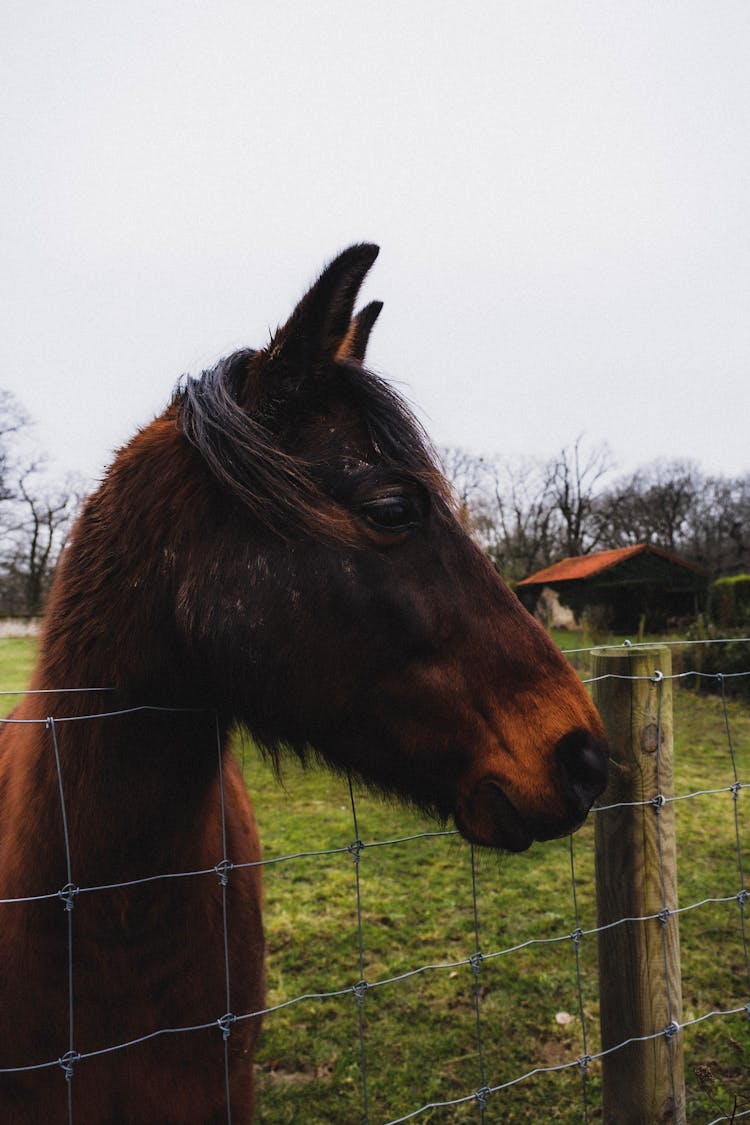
[560, 191]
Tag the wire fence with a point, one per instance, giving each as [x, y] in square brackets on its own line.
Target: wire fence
[478, 966]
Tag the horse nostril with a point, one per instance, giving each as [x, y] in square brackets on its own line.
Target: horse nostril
[582, 761]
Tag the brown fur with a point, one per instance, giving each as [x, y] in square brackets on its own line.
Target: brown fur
[277, 549]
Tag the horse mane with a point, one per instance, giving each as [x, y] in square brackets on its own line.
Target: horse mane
[280, 488]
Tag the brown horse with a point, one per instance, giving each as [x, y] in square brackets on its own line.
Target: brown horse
[277, 549]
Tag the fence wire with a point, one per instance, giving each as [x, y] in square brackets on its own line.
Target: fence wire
[482, 1096]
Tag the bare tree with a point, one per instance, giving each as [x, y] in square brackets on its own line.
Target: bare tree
[575, 477]
[467, 475]
[670, 500]
[35, 515]
[717, 535]
[528, 513]
[45, 515]
[13, 421]
[516, 518]
[656, 504]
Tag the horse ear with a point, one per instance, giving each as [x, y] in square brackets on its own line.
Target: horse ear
[318, 327]
[354, 344]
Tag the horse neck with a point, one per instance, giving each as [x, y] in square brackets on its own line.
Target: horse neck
[111, 616]
[134, 783]
[127, 795]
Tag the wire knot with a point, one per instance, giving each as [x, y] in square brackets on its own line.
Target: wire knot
[577, 937]
[664, 915]
[742, 897]
[66, 895]
[359, 989]
[671, 1030]
[476, 961]
[67, 1062]
[225, 1023]
[482, 1096]
[659, 801]
[222, 870]
[735, 790]
[583, 1063]
[657, 677]
[355, 850]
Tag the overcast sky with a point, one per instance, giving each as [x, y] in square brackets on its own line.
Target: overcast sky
[559, 189]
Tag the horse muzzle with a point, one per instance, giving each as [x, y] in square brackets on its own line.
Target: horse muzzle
[490, 817]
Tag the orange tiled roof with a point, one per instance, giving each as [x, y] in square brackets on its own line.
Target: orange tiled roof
[585, 566]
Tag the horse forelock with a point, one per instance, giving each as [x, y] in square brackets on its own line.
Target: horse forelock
[279, 486]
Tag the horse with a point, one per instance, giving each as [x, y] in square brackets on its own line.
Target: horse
[277, 550]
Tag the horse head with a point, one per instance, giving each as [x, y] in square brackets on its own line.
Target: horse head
[335, 604]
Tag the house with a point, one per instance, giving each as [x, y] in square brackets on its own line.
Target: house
[624, 588]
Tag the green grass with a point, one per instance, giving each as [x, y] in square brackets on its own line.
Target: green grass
[416, 910]
[16, 663]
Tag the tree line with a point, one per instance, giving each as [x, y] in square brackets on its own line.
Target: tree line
[527, 513]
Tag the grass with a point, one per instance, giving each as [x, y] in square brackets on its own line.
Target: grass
[16, 663]
[420, 1034]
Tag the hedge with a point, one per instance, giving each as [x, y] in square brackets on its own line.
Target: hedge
[729, 601]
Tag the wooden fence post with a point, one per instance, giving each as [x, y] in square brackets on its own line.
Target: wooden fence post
[636, 877]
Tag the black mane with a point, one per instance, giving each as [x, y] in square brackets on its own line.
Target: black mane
[280, 488]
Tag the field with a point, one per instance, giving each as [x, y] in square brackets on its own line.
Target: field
[420, 1035]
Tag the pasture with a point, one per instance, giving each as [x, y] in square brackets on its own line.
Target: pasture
[420, 1035]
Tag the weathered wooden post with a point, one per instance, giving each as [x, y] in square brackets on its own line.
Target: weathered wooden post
[639, 961]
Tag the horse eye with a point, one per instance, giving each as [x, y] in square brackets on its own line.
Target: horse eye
[392, 513]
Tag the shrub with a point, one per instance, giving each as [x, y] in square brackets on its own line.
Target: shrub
[729, 601]
[728, 656]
